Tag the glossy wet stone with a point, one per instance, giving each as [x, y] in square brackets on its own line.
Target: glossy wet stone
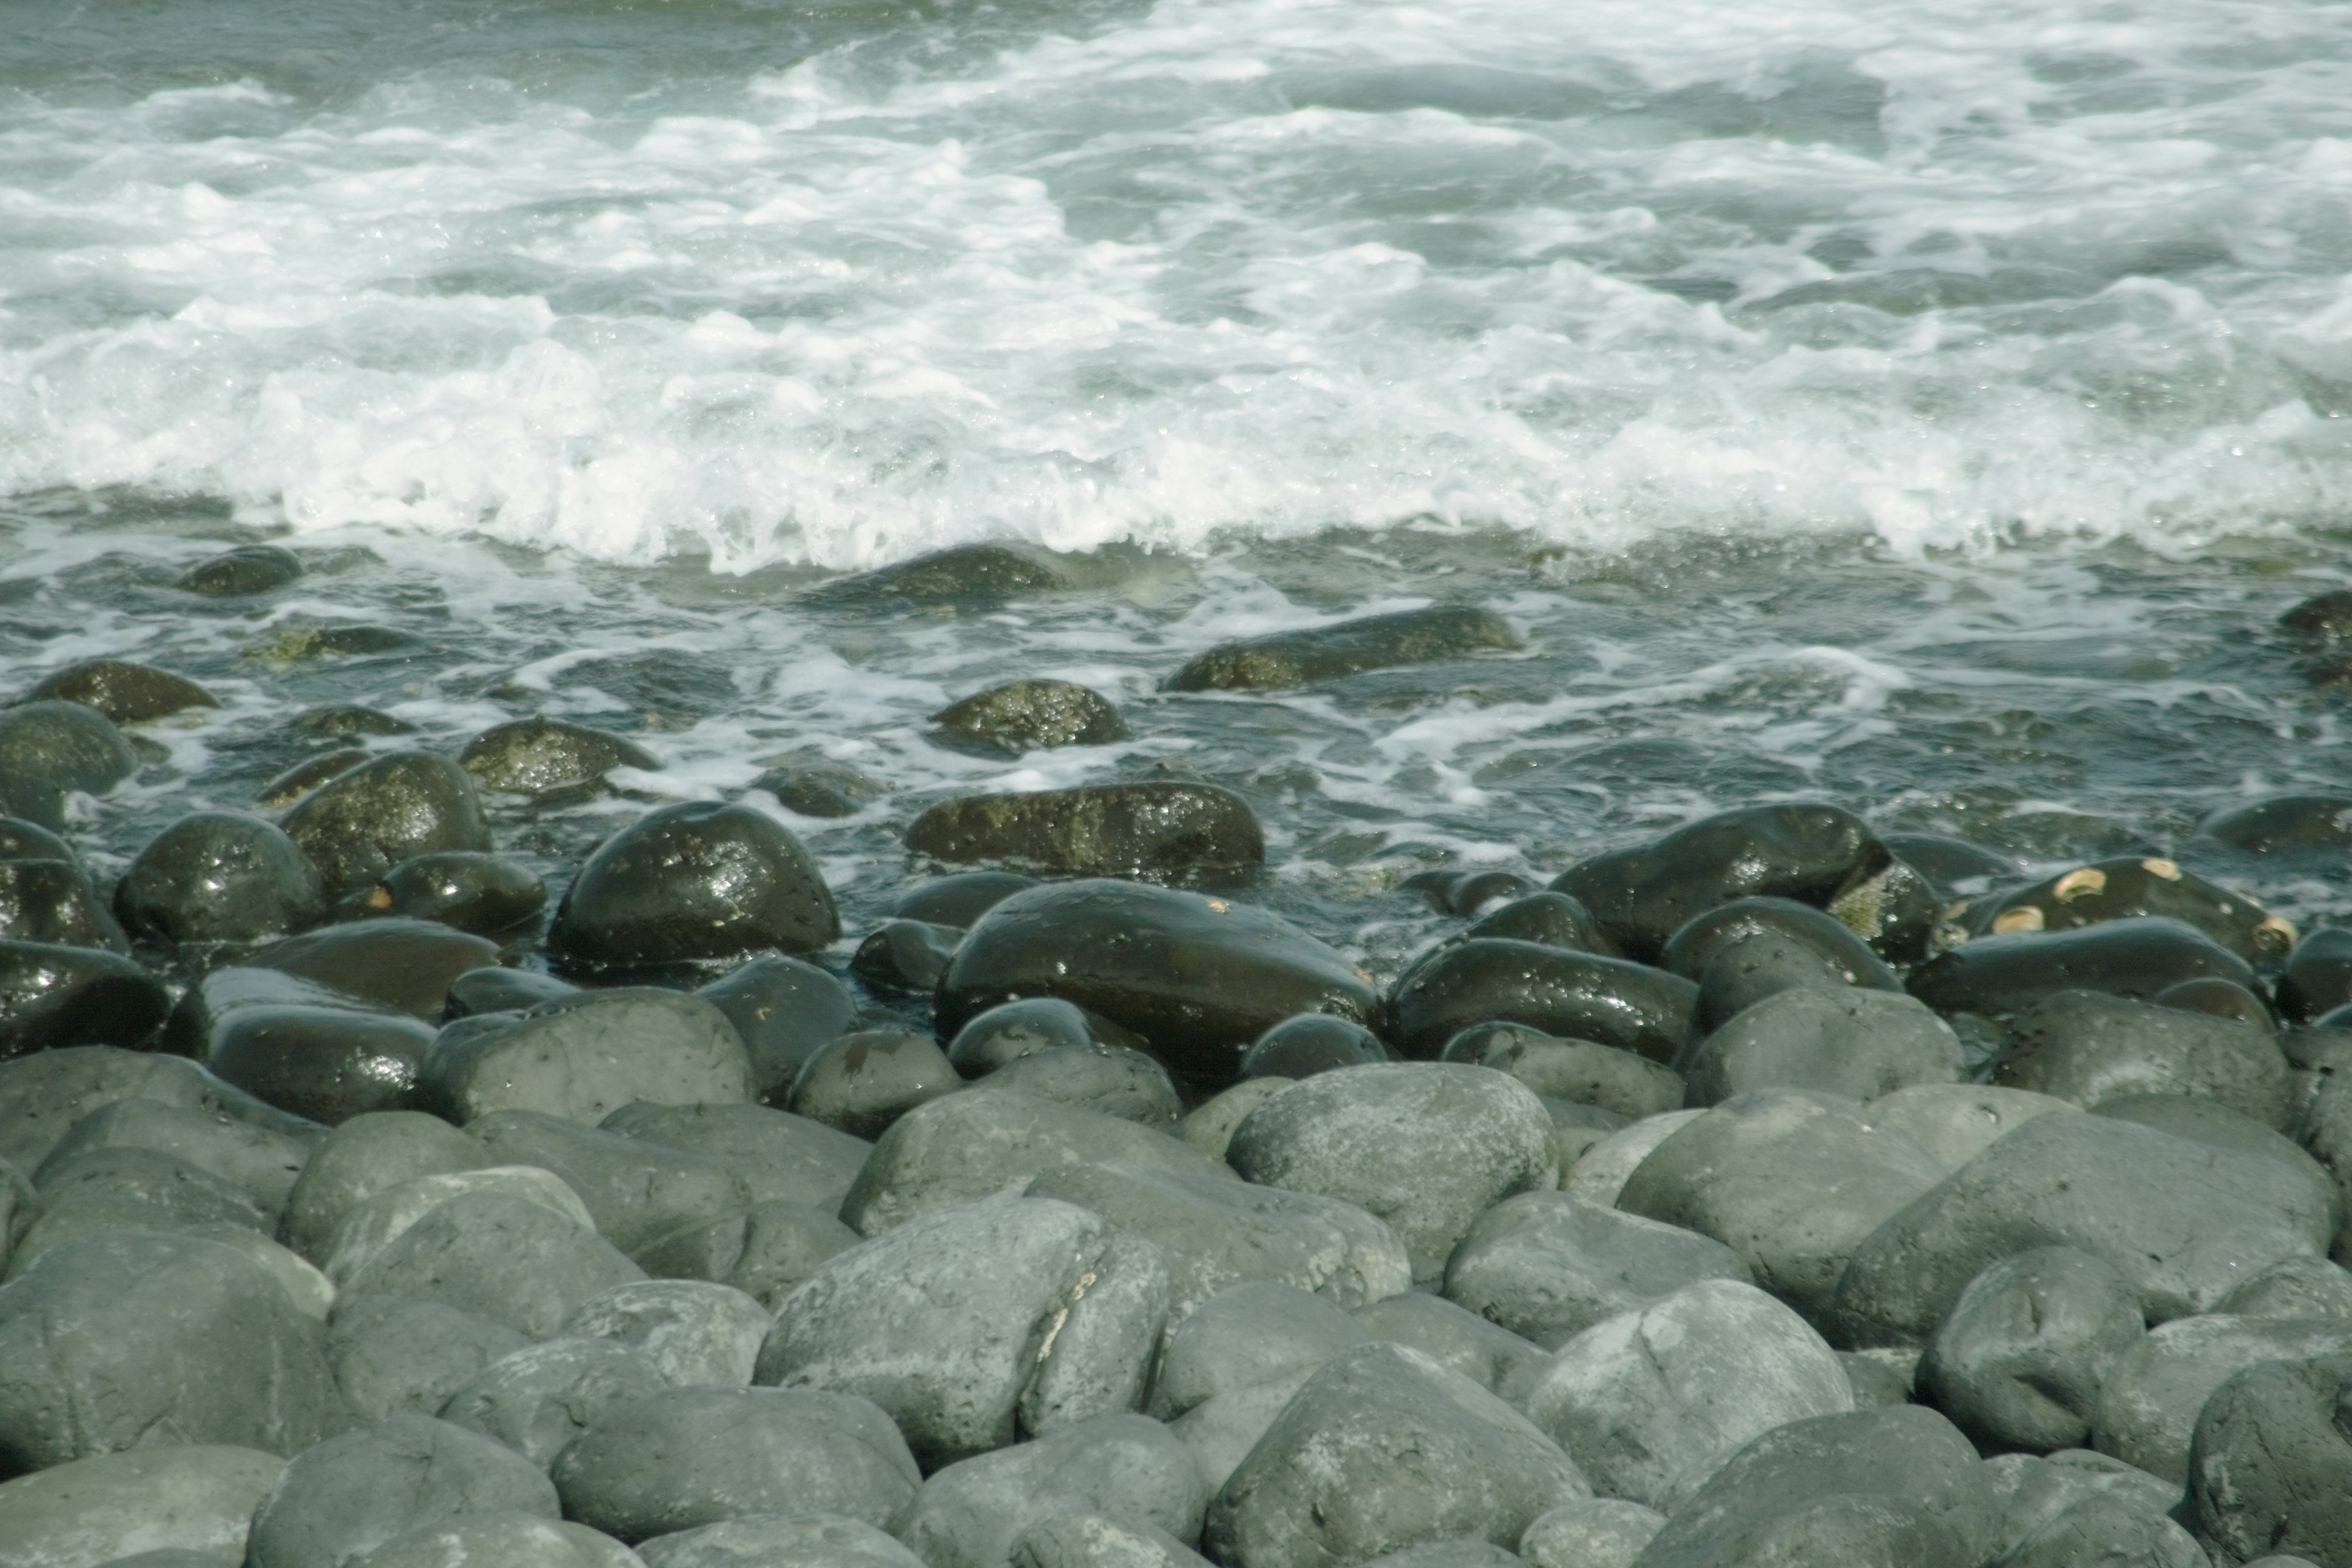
[1159, 831]
[1282, 659]
[783, 1009]
[807, 783]
[1698, 942]
[2318, 975]
[407, 965]
[362, 822]
[52, 749]
[52, 996]
[125, 693]
[249, 569]
[1579, 996]
[985, 572]
[494, 988]
[585, 1056]
[1025, 715]
[349, 719]
[1554, 919]
[540, 755]
[1582, 1072]
[220, 876]
[1311, 1043]
[959, 898]
[289, 786]
[862, 1083]
[54, 901]
[903, 958]
[1996, 975]
[2283, 825]
[1007, 1032]
[2129, 887]
[488, 894]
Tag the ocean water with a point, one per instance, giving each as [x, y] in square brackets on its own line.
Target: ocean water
[1923, 405]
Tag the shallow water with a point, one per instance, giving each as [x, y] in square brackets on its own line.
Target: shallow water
[1926, 406]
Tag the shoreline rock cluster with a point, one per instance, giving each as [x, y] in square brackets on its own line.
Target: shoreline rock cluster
[1742, 1197]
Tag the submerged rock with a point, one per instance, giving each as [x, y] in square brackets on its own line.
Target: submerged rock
[2283, 825]
[125, 693]
[52, 749]
[541, 756]
[1282, 659]
[1026, 715]
[991, 571]
[247, 569]
[1156, 831]
[53, 995]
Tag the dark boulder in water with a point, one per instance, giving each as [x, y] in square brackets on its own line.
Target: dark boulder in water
[54, 901]
[784, 1008]
[220, 876]
[1006, 1033]
[2283, 825]
[1945, 860]
[404, 964]
[1196, 978]
[1468, 892]
[2139, 956]
[284, 789]
[807, 783]
[1808, 853]
[540, 756]
[1582, 996]
[1311, 1043]
[326, 1064]
[901, 958]
[125, 693]
[993, 571]
[52, 749]
[1156, 831]
[2324, 615]
[863, 1081]
[460, 888]
[692, 883]
[343, 720]
[1027, 715]
[1554, 919]
[2318, 975]
[960, 898]
[1697, 941]
[52, 996]
[249, 569]
[1323, 653]
[2128, 886]
[363, 822]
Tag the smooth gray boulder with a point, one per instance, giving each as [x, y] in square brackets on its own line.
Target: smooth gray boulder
[1599, 1174]
[43, 1094]
[1082, 1540]
[2087, 1046]
[536, 1399]
[1111, 1079]
[2182, 1222]
[262, 1162]
[1209, 1126]
[1125, 1467]
[1595, 1532]
[638, 1191]
[693, 1330]
[2293, 1287]
[1250, 1334]
[499, 1257]
[391, 1353]
[691, 1457]
[765, 1252]
[1957, 1121]
[2107, 1529]
[1220, 1431]
[1899, 1486]
[1425, 1146]
[368, 1228]
[1849, 1042]
[138, 1337]
[352, 1494]
[1382, 1448]
[972, 1324]
[195, 1499]
[2149, 1403]
[765, 1540]
[2270, 1463]
[1585, 1072]
[1548, 1265]
[585, 1056]
[361, 1158]
[2202, 1121]
[980, 1142]
[1447, 1554]
[1488, 1355]
[1790, 1180]
[2018, 1360]
[506, 1540]
[1215, 1231]
[786, 1158]
[1652, 1400]
[2032, 1490]
[103, 1190]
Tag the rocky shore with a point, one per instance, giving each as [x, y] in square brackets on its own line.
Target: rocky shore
[1773, 1191]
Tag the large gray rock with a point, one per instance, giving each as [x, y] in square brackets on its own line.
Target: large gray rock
[693, 1330]
[586, 1056]
[1111, 1079]
[361, 823]
[983, 1141]
[638, 1189]
[1651, 1402]
[1957, 1121]
[367, 1229]
[191, 1498]
[1222, 1430]
[1584, 1072]
[1215, 1231]
[1153, 830]
[1124, 1467]
[1382, 1448]
[2034, 1491]
[1251, 1334]
[352, 1494]
[131, 1189]
[2018, 1360]
[2107, 1529]
[2087, 1046]
[765, 1252]
[508, 1540]
[1850, 1042]
[361, 1158]
[139, 1338]
[786, 1158]
[1426, 1146]
[263, 1161]
[1490, 1356]
[43, 1095]
[1548, 1265]
[970, 1325]
[1081, 1540]
[691, 1457]
[2182, 1222]
[538, 1398]
[2149, 1403]
[2271, 1464]
[394, 1353]
[1599, 1174]
[499, 1257]
[1899, 1486]
[1790, 1180]
[764, 1539]
[1597, 1533]
[2293, 1287]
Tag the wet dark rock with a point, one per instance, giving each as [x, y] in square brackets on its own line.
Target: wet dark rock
[263, 1162]
[291, 786]
[636, 1190]
[1216, 1232]
[668, 685]
[981, 572]
[784, 1008]
[1998, 975]
[1467, 893]
[905, 958]
[2018, 1361]
[1947, 861]
[1425, 1146]
[2318, 975]
[1158, 830]
[1790, 1180]
[2182, 1222]
[1109, 1080]
[494, 988]
[692, 883]
[1311, 1043]
[186, 1506]
[765, 1252]
[964, 1146]
[1892, 1486]
[1580, 995]
[2088, 1047]
[1858, 1044]
[2271, 1464]
[807, 783]
[247, 569]
[942, 1322]
[2130, 887]
[462, 887]
[585, 1056]
[52, 749]
[53, 997]
[2283, 825]
[2325, 615]
[2221, 998]
[1548, 1265]
[220, 876]
[1383, 1448]
[1555, 920]
[348, 640]
[1195, 978]
[862, 1083]
[125, 693]
[960, 898]
[396, 1353]
[1125, 1467]
[784, 1157]
[1282, 659]
[44, 1095]
[1894, 910]
[53, 901]
[1028, 715]
[22, 840]
[538, 1398]
[343, 720]
[139, 1337]
[1808, 853]
[2148, 1403]
[1007, 1032]
[499, 1257]
[352, 1494]
[1698, 942]
[1579, 1071]
[407, 965]
[541, 756]
[362, 822]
